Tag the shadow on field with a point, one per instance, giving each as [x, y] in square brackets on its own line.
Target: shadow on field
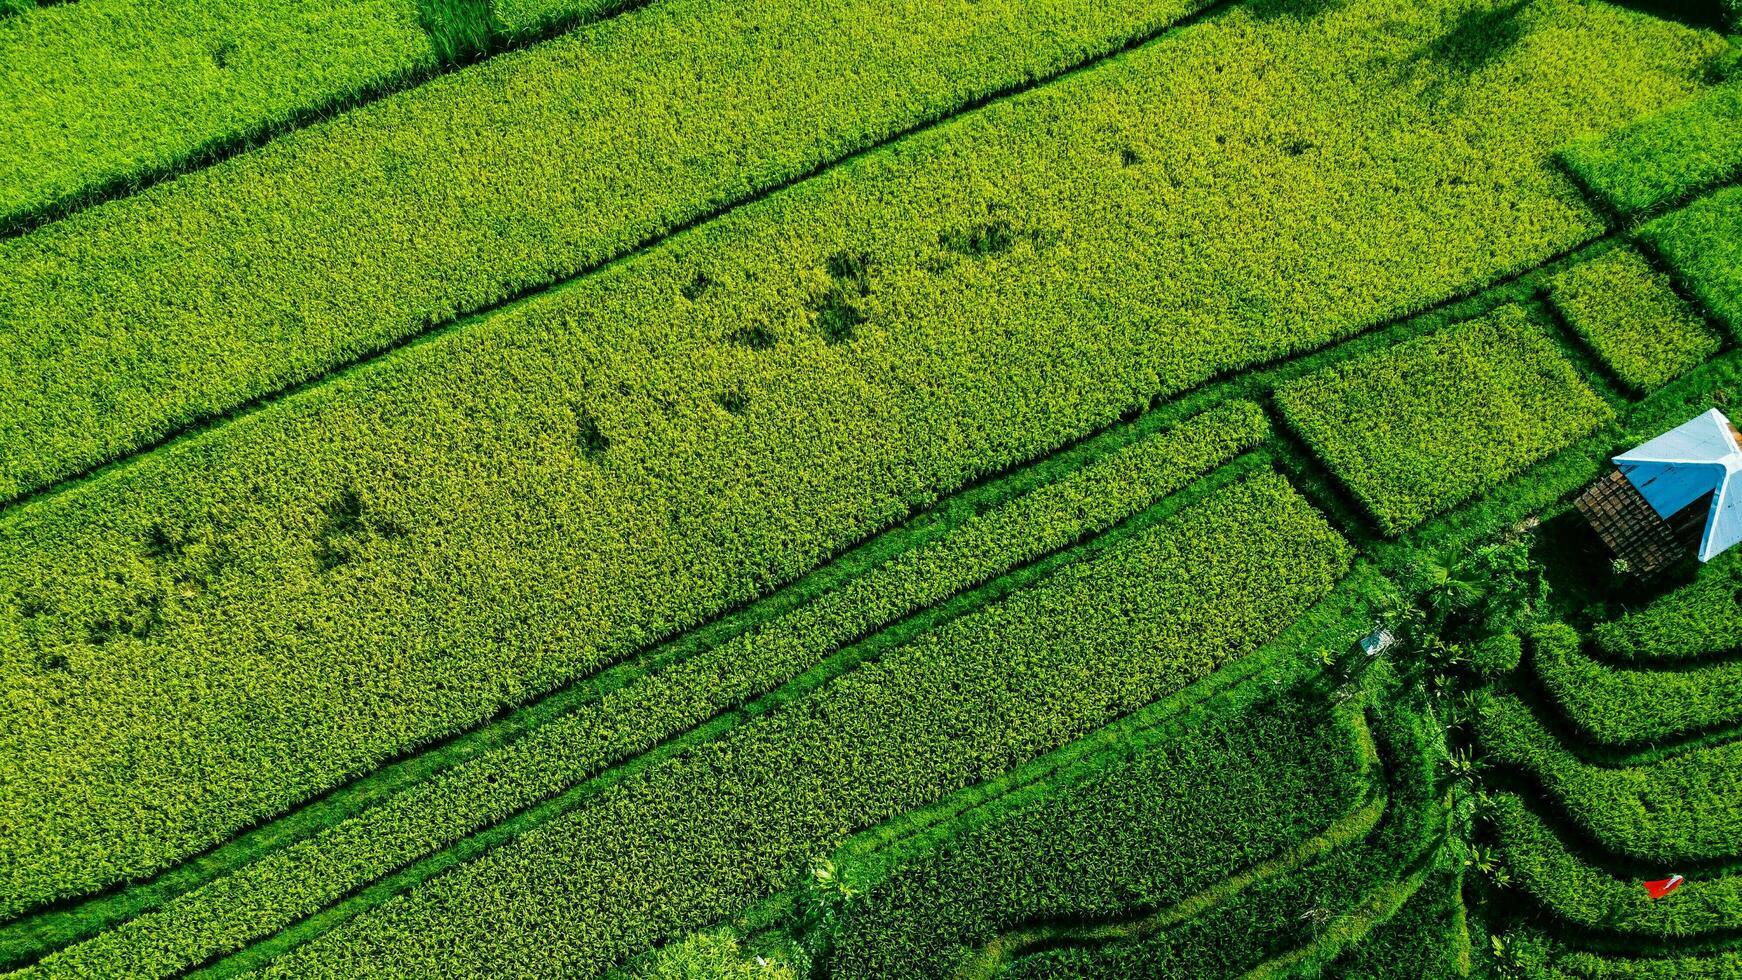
[1297, 10]
[1477, 38]
[1702, 14]
[1583, 585]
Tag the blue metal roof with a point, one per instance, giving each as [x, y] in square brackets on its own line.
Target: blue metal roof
[1698, 457]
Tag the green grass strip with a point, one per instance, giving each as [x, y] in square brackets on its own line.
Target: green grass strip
[270, 894]
[1593, 897]
[1631, 704]
[729, 821]
[1350, 928]
[1147, 833]
[1344, 831]
[1321, 903]
[205, 295]
[1427, 938]
[105, 99]
[1542, 955]
[1702, 243]
[1630, 315]
[1434, 421]
[1667, 157]
[394, 555]
[1680, 809]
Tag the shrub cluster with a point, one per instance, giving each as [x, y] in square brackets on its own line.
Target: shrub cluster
[1632, 318]
[195, 641]
[1703, 243]
[1142, 834]
[1681, 808]
[1666, 157]
[1621, 704]
[1420, 427]
[1589, 896]
[273, 892]
[1497, 655]
[697, 838]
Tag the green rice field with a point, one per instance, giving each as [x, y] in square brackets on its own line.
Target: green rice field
[847, 489]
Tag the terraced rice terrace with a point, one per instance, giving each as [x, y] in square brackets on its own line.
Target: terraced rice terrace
[848, 489]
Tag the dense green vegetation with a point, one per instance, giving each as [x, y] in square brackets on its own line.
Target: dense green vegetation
[1418, 428]
[105, 94]
[1578, 891]
[1542, 956]
[1139, 836]
[707, 956]
[698, 489]
[1632, 318]
[1698, 618]
[641, 716]
[397, 553]
[1426, 938]
[104, 98]
[195, 299]
[1292, 923]
[732, 819]
[1703, 242]
[1624, 704]
[1666, 157]
[1680, 808]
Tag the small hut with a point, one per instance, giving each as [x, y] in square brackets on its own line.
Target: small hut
[1678, 491]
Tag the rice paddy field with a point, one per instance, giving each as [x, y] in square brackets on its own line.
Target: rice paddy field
[856, 489]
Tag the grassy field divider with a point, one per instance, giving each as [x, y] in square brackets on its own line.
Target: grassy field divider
[986, 557]
[1540, 952]
[1628, 704]
[367, 519]
[1439, 452]
[1702, 245]
[1352, 926]
[1631, 316]
[935, 703]
[1593, 895]
[1016, 943]
[1676, 811]
[149, 90]
[1666, 159]
[1265, 920]
[443, 246]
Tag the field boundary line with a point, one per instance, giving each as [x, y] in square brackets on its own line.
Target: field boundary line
[1253, 382]
[195, 427]
[221, 148]
[1353, 925]
[816, 678]
[934, 526]
[1016, 942]
[1529, 691]
[1527, 788]
[1027, 940]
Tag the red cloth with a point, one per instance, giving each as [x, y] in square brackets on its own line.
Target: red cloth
[1662, 887]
